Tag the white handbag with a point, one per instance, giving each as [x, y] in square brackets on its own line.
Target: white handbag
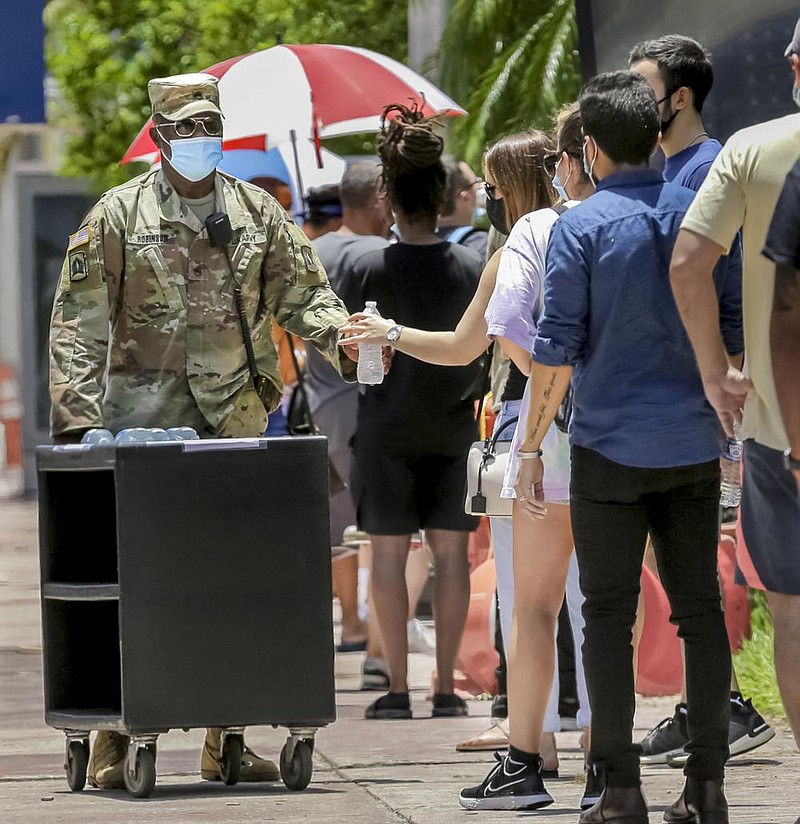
[486, 469]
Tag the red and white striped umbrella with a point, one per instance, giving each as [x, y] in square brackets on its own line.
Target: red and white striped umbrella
[317, 90]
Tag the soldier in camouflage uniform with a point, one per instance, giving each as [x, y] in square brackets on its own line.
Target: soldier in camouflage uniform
[145, 330]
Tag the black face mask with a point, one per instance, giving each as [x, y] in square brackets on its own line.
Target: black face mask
[665, 124]
[496, 212]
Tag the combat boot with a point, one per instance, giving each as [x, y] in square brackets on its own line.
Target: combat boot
[253, 767]
[701, 802]
[107, 762]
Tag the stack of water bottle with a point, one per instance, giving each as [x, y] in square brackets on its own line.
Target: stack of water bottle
[138, 435]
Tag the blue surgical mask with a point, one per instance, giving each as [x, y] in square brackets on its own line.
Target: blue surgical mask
[195, 158]
[796, 96]
[478, 213]
[560, 187]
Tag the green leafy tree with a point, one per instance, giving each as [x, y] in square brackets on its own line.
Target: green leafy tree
[101, 53]
[511, 64]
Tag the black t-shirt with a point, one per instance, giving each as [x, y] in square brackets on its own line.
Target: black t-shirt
[419, 409]
[783, 239]
[514, 387]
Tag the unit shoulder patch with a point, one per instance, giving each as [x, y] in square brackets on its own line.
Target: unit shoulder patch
[78, 267]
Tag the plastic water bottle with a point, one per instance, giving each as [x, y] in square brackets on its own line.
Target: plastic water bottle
[370, 362]
[182, 433]
[98, 437]
[731, 465]
[129, 437]
[156, 434]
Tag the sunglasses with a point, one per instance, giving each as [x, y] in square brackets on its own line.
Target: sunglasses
[490, 189]
[549, 162]
[211, 125]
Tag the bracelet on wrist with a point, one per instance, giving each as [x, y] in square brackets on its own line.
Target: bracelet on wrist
[529, 455]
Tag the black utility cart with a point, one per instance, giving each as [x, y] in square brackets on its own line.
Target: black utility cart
[186, 584]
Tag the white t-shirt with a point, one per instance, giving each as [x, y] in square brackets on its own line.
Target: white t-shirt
[517, 302]
[513, 312]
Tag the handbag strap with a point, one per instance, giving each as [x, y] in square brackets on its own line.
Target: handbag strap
[301, 385]
[491, 443]
[485, 383]
[489, 452]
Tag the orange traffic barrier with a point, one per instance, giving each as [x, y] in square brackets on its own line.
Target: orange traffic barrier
[10, 417]
[477, 658]
[660, 670]
[660, 664]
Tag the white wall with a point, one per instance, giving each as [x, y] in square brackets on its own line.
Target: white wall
[426, 22]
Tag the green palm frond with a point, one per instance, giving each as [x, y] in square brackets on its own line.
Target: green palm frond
[523, 84]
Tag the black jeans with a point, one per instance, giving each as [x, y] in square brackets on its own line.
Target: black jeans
[613, 508]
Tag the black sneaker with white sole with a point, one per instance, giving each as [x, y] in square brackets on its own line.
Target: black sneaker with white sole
[511, 785]
[666, 739]
[747, 730]
[595, 784]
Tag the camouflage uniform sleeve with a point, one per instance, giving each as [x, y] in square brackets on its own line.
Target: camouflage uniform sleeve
[79, 328]
[304, 303]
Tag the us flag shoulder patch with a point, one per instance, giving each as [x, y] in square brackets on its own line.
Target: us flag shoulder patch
[80, 238]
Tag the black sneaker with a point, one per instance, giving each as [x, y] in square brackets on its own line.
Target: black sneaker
[511, 785]
[747, 730]
[666, 739]
[392, 705]
[595, 784]
[448, 705]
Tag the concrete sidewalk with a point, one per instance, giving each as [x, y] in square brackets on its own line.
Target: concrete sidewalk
[371, 772]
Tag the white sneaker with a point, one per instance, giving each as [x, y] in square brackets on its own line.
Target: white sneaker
[419, 639]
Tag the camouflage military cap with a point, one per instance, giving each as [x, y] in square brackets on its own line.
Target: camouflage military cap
[184, 95]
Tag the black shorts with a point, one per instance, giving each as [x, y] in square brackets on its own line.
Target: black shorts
[770, 514]
[399, 495]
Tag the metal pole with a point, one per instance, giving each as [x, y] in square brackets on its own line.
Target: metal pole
[298, 175]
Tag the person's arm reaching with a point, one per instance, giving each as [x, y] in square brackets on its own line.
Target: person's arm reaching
[457, 348]
[300, 297]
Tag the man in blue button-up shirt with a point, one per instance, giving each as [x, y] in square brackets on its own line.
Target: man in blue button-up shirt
[645, 445]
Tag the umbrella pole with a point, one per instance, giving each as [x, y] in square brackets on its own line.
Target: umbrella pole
[298, 175]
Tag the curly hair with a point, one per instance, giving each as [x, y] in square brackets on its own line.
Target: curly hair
[410, 153]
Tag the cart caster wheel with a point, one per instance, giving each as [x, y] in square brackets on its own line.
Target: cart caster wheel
[296, 771]
[77, 759]
[230, 762]
[140, 778]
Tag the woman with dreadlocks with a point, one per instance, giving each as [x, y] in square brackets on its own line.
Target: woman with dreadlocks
[414, 430]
